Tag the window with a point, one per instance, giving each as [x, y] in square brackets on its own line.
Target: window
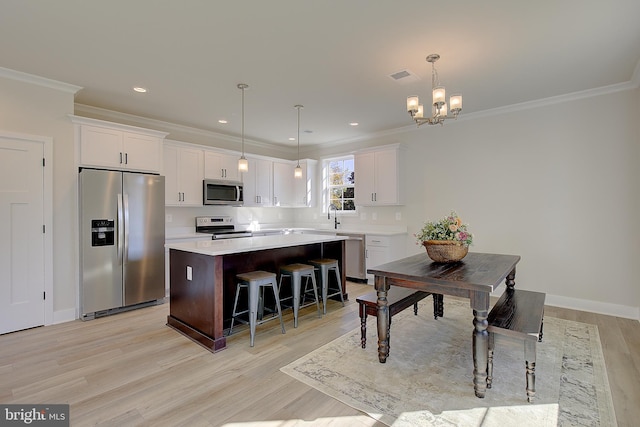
[340, 183]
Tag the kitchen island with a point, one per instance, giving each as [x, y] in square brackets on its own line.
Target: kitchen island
[202, 276]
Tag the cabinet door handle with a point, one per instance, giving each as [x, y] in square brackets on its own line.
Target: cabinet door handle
[372, 197]
[120, 157]
[126, 158]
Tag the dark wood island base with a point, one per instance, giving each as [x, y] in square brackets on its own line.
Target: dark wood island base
[202, 287]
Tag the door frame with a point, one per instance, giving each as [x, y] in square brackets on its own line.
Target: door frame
[47, 187]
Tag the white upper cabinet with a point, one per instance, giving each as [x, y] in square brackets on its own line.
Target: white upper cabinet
[283, 183]
[304, 188]
[377, 176]
[289, 191]
[221, 166]
[258, 182]
[121, 147]
[183, 171]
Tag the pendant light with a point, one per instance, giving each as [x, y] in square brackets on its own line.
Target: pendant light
[297, 173]
[243, 164]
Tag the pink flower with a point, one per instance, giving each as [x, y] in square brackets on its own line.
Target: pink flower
[453, 227]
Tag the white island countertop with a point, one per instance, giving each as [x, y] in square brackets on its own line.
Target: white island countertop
[250, 244]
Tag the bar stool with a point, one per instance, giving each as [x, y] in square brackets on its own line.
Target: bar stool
[254, 281]
[296, 272]
[324, 265]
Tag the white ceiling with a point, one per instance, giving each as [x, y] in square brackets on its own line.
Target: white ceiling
[332, 56]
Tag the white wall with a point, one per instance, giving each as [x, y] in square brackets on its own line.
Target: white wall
[38, 110]
[557, 185]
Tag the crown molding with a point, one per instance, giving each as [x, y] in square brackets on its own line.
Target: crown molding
[116, 116]
[37, 80]
[634, 83]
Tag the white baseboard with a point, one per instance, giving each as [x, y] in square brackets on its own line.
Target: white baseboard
[62, 316]
[617, 310]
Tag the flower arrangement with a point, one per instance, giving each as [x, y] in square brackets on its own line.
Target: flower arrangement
[448, 228]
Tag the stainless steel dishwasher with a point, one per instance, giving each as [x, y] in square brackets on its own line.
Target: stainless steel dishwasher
[355, 257]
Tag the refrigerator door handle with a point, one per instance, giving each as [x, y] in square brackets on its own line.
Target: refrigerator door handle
[125, 254]
[120, 228]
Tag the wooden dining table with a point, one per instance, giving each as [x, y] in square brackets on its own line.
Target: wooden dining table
[474, 277]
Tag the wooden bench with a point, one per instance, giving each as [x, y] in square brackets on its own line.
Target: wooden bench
[398, 299]
[518, 314]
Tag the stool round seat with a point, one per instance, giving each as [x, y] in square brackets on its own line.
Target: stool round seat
[296, 272]
[254, 281]
[324, 266]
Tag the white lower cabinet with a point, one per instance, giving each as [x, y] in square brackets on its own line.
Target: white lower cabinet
[381, 249]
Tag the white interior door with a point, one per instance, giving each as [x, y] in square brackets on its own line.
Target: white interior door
[22, 241]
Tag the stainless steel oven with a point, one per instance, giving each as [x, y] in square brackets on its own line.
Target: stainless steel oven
[220, 227]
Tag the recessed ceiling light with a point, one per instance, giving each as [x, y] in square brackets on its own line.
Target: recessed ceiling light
[140, 89]
[223, 121]
[354, 124]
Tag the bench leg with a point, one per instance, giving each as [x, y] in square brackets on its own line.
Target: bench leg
[415, 308]
[363, 326]
[530, 362]
[541, 325]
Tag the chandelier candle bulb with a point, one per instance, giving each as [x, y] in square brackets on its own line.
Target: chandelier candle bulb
[412, 103]
[420, 112]
[440, 112]
[438, 96]
[455, 102]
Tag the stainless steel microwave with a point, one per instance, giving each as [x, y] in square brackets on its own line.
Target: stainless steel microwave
[219, 192]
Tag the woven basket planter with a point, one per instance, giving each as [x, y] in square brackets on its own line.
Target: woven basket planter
[445, 250]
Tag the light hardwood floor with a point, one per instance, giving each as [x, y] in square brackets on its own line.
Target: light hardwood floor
[131, 369]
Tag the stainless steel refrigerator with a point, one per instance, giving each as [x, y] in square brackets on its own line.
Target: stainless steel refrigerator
[122, 241]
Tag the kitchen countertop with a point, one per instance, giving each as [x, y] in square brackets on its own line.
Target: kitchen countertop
[192, 235]
[249, 244]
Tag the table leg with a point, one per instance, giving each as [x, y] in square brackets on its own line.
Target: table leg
[384, 331]
[480, 305]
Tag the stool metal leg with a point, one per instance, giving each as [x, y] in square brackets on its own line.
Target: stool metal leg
[235, 308]
[277, 298]
[335, 270]
[315, 293]
[296, 283]
[324, 278]
[253, 309]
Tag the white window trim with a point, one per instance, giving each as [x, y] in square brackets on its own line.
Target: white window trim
[325, 187]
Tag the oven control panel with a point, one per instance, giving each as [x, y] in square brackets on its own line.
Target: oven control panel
[204, 221]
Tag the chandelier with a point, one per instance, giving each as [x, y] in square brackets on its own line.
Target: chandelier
[439, 106]
[243, 163]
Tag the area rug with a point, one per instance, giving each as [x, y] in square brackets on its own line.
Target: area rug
[428, 377]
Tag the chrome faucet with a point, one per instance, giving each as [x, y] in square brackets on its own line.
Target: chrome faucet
[335, 215]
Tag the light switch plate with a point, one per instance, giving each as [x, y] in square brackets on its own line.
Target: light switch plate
[189, 273]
